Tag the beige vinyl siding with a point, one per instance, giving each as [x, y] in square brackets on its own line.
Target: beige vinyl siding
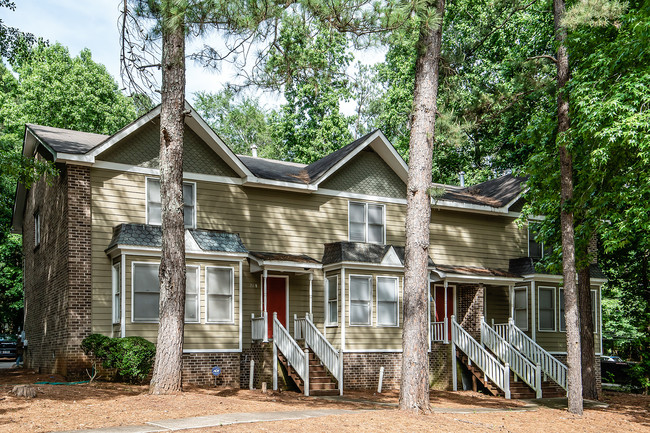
[198, 336]
[462, 238]
[497, 306]
[372, 337]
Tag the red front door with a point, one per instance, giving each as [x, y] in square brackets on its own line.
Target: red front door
[276, 295]
[441, 305]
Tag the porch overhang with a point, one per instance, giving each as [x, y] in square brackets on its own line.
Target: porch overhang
[474, 274]
[281, 262]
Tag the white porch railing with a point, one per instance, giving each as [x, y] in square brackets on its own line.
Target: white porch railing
[299, 324]
[494, 371]
[297, 358]
[331, 358]
[534, 352]
[522, 367]
[259, 327]
[440, 331]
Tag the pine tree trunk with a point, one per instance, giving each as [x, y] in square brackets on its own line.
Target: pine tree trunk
[414, 389]
[169, 349]
[589, 388]
[572, 319]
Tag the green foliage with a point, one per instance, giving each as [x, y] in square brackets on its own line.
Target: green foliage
[240, 122]
[13, 42]
[131, 357]
[48, 87]
[308, 62]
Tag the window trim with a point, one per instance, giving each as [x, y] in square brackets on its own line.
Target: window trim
[133, 266]
[116, 293]
[232, 295]
[370, 288]
[197, 270]
[327, 302]
[146, 192]
[594, 300]
[554, 304]
[541, 245]
[37, 229]
[397, 293]
[366, 223]
[514, 306]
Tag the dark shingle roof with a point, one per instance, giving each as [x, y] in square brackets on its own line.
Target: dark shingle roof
[360, 252]
[276, 170]
[282, 257]
[495, 193]
[475, 270]
[66, 140]
[143, 235]
[526, 266]
[318, 168]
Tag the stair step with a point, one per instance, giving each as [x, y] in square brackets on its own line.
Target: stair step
[324, 392]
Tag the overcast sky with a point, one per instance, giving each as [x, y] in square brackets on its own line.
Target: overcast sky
[93, 24]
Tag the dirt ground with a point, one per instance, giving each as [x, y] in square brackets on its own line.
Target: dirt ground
[102, 404]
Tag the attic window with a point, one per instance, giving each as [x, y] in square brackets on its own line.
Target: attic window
[366, 222]
[154, 216]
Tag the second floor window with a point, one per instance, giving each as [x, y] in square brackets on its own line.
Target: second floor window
[154, 215]
[366, 222]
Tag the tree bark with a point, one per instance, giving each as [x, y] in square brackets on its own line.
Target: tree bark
[572, 319]
[169, 349]
[414, 389]
[589, 388]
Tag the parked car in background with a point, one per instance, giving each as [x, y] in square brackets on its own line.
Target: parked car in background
[612, 358]
[7, 347]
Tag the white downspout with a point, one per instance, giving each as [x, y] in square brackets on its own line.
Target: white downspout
[343, 309]
[265, 309]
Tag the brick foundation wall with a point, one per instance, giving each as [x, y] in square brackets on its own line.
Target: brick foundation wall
[197, 369]
[440, 366]
[262, 354]
[599, 379]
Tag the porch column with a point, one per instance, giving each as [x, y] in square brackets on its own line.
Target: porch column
[511, 295]
[311, 283]
[533, 311]
[446, 284]
[264, 311]
[428, 305]
[342, 309]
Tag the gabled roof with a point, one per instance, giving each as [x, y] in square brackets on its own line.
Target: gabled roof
[361, 252]
[496, 193]
[65, 140]
[150, 236]
[272, 169]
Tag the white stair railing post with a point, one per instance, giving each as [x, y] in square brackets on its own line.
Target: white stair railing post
[296, 332]
[506, 380]
[538, 380]
[340, 371]
[454, 379]
[307, 372]
[446, 327]
[275, 355]
[266, 326]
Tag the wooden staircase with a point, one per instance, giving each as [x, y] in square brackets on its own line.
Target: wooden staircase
[320, 382]
[518, 388]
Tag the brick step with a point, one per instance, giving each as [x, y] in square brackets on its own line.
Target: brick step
[321, 385]
[323, 392]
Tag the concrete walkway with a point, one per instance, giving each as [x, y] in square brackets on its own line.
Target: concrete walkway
[216, 421]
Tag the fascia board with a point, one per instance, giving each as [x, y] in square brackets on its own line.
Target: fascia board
[466, 207]
[257, 182]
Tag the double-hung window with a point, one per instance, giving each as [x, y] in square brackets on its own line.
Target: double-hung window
[593, 311]
[546, 308]
[366, 222]
[154, 215]
[146, 292]
[360, 300]
[387, 301]
[192, 294]
[117, 292]
[332, 301]
[219, 294]
[521, 308]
